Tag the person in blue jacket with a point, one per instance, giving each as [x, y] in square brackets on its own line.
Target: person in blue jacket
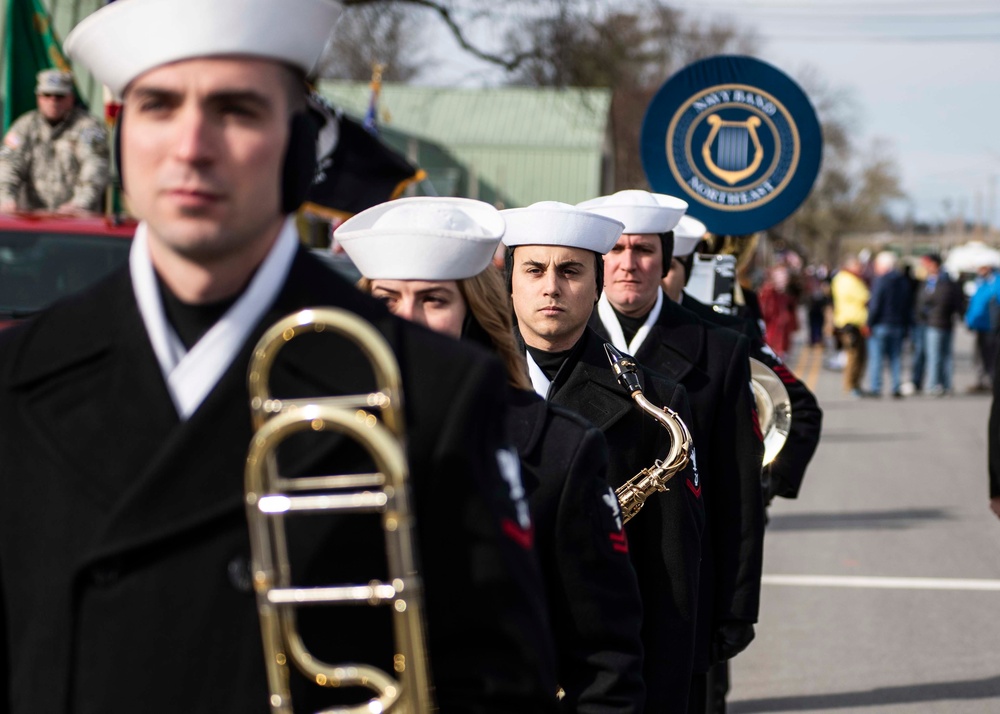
[983, 317]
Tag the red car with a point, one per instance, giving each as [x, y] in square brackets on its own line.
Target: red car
[45, 257]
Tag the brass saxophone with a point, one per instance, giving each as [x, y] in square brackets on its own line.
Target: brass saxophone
[633, 493]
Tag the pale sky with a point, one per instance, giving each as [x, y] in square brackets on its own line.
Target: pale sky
[924, 75]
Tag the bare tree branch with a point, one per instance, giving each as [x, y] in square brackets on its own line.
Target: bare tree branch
[377, 32]
[456, 30]
[632, 48]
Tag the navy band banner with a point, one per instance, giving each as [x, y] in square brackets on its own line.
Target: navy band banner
[737, 139]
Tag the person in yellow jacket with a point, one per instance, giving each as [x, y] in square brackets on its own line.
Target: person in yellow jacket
[850, 317]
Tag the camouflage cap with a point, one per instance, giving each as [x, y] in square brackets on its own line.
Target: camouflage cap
[54, 81]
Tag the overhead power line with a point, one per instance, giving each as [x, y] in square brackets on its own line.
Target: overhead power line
[858, 16]
[881, 38]
[860, 5]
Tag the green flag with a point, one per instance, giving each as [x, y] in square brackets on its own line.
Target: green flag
[30, 45]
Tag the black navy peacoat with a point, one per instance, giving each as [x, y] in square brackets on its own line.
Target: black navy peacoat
[714, 368]
[784, 476]
[665, 537]
[593, 594]
[123, 541]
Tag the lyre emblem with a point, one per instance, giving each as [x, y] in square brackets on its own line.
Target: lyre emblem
[731, 162]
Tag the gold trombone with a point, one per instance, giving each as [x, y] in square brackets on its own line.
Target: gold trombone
[270, 497]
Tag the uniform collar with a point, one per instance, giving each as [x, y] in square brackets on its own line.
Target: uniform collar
[191, 374]
[614, 328]
[539, 381]
[587, 385]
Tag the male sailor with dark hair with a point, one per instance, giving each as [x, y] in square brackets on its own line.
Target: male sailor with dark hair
[553, 260]
[714, 367]
[124, 546]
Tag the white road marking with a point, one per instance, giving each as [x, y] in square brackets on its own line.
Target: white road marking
[860, 581]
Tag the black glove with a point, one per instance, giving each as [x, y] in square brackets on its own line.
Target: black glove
[769, 485]
[730, 639]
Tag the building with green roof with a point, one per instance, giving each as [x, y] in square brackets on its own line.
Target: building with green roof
[511, 146]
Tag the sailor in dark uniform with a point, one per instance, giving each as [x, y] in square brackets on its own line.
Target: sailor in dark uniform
[714, 367]
[783, 476]
[554, 266]
[429, 260]
[124, 547]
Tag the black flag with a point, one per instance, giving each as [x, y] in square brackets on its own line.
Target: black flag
[356, 170]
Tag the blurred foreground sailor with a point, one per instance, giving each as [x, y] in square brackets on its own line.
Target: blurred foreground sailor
[429, 260]
[123, 540]
[714, 367]
[555, 273]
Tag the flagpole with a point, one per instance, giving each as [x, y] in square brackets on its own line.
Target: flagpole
[112, 108]
[371, 117]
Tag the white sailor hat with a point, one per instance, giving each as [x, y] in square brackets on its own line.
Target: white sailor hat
[126, 38]
[555, 223]
[422, 238]
[640, 211]
[687, 233]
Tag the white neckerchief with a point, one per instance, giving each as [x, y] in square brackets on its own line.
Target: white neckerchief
[539, 381]
[190, 376]
[614, 328]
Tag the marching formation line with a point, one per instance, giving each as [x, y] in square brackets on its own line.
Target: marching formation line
[862, 581]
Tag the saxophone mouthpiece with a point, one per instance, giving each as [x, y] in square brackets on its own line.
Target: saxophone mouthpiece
[624, 367]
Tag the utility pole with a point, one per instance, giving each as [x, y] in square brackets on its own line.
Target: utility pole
[960, 221]
[978, 230]
[991, 215]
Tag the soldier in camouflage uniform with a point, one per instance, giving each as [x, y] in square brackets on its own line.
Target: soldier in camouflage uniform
[54, 158]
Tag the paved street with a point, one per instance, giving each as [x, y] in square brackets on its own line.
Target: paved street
[895, 508]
